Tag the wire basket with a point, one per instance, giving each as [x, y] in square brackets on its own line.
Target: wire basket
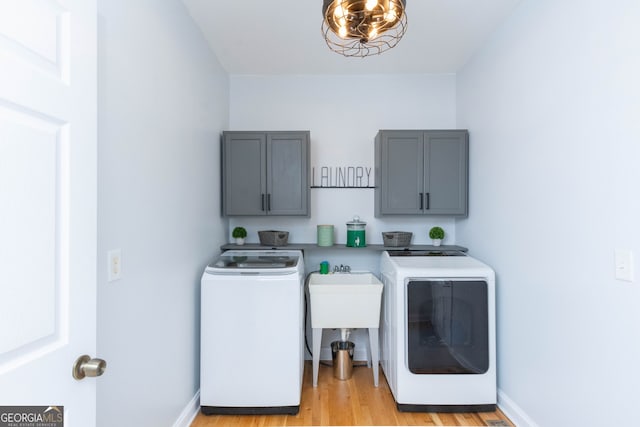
[273, 237]
[396, 238]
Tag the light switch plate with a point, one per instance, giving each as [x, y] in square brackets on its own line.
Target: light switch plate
[624, 265]
[114, 265]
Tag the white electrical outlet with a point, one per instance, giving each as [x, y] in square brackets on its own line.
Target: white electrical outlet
[114, 265]
[624, 265]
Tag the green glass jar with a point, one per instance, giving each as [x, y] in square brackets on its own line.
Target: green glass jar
[356, 233]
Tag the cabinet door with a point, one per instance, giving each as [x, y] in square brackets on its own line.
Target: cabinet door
[400, 157]
[287, 173]
[422, 172]
[445, 174]
[244, 173]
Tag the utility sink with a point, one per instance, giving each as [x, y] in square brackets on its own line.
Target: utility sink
[345, 300]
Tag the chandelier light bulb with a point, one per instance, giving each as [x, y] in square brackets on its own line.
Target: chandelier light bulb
[371, 4]
[390, 16]
[342, 32]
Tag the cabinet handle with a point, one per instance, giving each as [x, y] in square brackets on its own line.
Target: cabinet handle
[262, 201]
[269, 201]
[421, 201]
[428, 201]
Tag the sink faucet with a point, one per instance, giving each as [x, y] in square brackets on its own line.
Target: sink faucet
[341, 269]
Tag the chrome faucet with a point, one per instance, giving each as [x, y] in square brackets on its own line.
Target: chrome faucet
[341, 269]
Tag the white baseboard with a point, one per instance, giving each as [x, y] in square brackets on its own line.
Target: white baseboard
[514, 412]
[189, 413]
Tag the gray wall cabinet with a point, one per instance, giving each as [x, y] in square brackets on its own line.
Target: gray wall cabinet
[421, 172]
[265, 173]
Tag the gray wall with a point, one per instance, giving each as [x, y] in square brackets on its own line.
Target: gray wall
[163, 100]
[552, 104]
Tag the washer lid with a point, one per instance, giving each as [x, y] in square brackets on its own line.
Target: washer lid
[236, 261]
[255, 261]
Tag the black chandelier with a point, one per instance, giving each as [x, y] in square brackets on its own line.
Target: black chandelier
[363, 27]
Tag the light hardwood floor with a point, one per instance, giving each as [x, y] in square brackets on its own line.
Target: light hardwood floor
[355, 402]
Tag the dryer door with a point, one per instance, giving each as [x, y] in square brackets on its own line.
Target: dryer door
[447, 326]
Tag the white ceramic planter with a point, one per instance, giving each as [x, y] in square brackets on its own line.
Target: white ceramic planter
[436, 242]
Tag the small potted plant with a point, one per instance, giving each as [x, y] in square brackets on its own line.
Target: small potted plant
[436, 234]
[239, 233]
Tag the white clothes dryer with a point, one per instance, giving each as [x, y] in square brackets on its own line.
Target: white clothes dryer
[252, 333]
[438, 345]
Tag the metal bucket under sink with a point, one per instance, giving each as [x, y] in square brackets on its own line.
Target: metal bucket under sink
[342, 357]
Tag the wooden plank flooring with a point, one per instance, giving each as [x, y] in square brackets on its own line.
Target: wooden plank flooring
[355, 402]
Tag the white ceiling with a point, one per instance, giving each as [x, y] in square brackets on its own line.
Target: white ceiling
[284, 37]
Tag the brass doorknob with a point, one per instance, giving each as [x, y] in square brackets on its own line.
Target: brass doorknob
[85, 366]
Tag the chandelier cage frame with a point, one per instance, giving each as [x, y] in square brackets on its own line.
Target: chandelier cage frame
[359, 28]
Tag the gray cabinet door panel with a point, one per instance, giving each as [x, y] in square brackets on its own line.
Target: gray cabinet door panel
[287, 185]
[401, 172]
[446, 173]
[244, 174]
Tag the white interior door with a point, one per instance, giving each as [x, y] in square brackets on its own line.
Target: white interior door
[47, 203]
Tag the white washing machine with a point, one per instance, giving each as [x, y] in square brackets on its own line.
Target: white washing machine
[438, 344]
[252, 358]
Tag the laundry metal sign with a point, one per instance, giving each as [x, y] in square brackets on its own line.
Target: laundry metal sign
[341, 177]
